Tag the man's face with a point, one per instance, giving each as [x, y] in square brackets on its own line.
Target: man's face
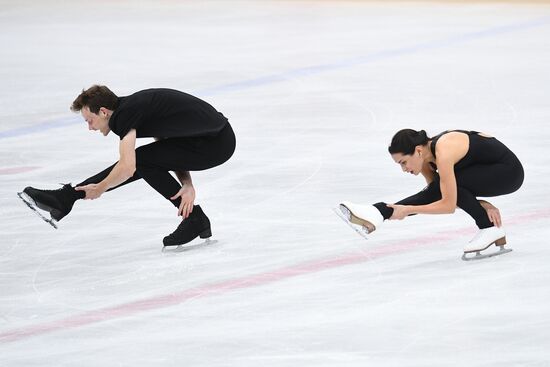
[96, 121]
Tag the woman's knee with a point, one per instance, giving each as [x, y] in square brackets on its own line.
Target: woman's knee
[519, 177]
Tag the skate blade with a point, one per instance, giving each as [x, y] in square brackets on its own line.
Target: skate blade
[32, 205]
[478, 255]
[354, 219]
[340, 212]
[187, 247]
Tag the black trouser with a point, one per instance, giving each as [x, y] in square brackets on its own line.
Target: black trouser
[155, 161]
[503, 177]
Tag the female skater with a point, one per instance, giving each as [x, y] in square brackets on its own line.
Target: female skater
[458, 166]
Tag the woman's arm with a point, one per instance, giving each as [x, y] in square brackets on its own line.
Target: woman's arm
[447, 185]
[450, 148]
[492, 212]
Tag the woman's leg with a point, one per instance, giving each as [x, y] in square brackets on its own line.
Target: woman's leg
[430, 194]
[465, 201]
[479, 180]
[491, 179]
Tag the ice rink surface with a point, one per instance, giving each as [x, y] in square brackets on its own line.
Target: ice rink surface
[314, 91]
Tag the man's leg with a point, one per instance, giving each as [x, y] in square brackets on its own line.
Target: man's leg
[155, 161]
[60, 202]
[175, 154]
[101, 176]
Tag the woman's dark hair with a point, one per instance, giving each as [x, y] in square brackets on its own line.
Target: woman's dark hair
[406, 140]
[94, 98]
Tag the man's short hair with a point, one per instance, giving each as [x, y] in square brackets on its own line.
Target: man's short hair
[94, 98]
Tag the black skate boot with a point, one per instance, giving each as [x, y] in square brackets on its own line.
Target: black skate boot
[195, 225]
[56, 202]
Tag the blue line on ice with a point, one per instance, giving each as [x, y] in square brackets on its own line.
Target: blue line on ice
[317, 69]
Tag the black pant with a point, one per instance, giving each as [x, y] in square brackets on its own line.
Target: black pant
[155, 161]
[491, 179]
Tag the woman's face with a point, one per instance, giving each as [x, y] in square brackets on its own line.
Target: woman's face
[410, 163]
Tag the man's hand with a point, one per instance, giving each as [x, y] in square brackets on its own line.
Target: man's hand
[187, 196]
[399, 211]
[93, 191]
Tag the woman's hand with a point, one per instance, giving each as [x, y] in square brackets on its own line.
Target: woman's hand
[492, 212]
[399, 211]
[187, 195]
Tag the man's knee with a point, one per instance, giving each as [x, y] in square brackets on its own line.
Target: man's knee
[144, 155]
[145, 159]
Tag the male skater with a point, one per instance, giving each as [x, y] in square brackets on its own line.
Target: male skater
[190, 135]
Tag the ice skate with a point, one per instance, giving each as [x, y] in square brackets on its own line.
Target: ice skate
[482, 241]
[195, 225]
[364, 219]
[57, 203]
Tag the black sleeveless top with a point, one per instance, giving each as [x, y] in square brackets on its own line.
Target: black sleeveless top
[481, 150]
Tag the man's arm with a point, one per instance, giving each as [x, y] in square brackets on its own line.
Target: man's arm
[184, 177]
[186, 193]
[122, 171]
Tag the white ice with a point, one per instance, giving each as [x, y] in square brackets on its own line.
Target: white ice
[314, 91]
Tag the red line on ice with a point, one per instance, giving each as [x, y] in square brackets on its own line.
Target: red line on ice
[14, 170]
[162, 301]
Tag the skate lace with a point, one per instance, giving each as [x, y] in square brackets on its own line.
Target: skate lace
[56, 190]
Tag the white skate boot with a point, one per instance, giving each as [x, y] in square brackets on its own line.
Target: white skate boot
[367, 217]
[483, 240]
